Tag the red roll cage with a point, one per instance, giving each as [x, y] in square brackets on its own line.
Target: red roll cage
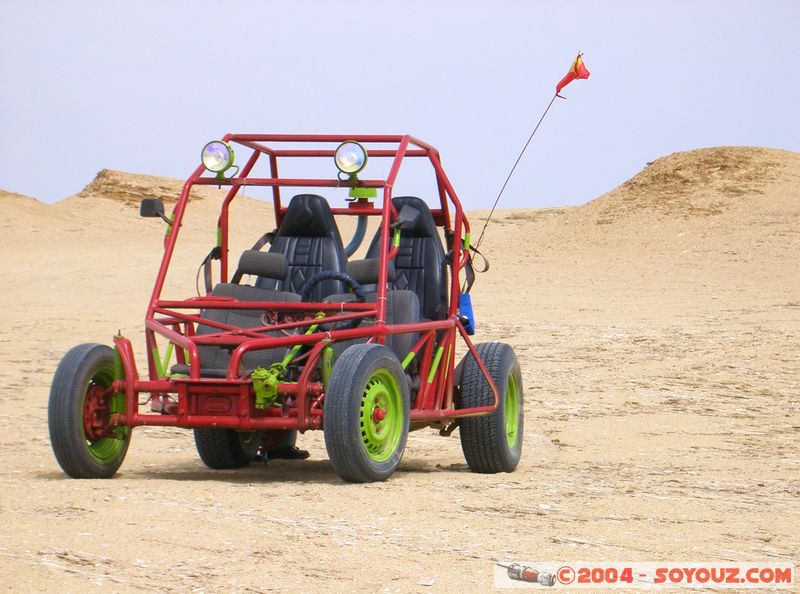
[228, 402]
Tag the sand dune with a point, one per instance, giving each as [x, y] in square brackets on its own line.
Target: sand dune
[658, 328]
[702, 182]
[131, 188]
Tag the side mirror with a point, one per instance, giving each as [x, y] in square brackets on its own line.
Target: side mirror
[152, 208]
[407, 218]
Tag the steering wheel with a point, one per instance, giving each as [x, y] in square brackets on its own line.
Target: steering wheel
[313, 281]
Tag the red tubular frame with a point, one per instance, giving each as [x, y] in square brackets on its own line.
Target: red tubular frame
[434, 403]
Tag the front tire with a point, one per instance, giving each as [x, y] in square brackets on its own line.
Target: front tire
[79, 411]
[366, 414]
[492, 443]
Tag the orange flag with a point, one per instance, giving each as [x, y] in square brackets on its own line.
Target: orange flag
[577, 70]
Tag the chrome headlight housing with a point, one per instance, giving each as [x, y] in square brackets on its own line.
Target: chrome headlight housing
[350, 157]
[217, 156]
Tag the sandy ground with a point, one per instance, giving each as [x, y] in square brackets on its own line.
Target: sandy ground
[658, 329]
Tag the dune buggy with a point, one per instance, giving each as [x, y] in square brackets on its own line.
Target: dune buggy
[301, 335]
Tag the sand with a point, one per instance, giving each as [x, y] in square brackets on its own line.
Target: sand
[658, 329]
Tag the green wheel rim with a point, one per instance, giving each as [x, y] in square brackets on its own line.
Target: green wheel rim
[381, 416]
[106, 450]
[512, 411]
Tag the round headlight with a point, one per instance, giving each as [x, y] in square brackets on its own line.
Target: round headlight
[350, 157]
[217, 156]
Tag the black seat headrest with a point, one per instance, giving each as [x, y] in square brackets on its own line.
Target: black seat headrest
[266, 264]
[366, 271]
[425, 225]
[308, 215]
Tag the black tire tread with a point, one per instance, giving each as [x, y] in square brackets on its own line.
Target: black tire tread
[483, 439]
[65, 417]
[222, 449]
[340, 420]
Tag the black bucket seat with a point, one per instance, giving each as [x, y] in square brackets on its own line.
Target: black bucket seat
[213, 359]
[419, 264]
[310, 240]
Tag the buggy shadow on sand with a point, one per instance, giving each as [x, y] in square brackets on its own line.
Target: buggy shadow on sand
[362, 349]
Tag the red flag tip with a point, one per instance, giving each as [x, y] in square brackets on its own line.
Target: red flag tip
[578, 70]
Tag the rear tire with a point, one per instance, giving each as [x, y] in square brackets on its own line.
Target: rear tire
[79, 404]
[278, 439]
[366, 414]
[225, 449]
[492, 443]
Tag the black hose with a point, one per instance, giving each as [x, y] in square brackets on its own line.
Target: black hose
[358, 236]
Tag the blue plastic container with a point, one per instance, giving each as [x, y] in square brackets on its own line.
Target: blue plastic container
[465, 311]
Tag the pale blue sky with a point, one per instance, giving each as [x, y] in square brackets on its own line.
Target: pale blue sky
[140, 86]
